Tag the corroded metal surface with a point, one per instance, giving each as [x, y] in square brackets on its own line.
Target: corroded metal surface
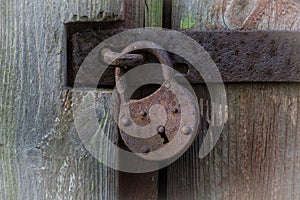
[118, 59]
[139, 110]
[154, 122]
[241, 56]
[139, 113]
[174, 114]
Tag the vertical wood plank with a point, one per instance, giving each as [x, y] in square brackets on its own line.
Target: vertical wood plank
[236, 14]
[134, 13]
[145, 185]
[167, 14]
[257, 156]
[138, 186]
[41, 156]
[153, 13]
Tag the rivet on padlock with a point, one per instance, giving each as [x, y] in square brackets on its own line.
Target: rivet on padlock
[181, 112]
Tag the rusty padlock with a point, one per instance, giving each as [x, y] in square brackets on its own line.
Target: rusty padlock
[148, 130]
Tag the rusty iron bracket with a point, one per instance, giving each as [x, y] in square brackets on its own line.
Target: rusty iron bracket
[241, 56]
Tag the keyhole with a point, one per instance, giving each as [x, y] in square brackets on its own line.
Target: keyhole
[162, 132]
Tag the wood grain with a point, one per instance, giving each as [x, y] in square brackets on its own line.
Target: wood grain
[257, 156]
[236, 14]
[145, 185]
[138, 186]
[41, 156]
[153, 13]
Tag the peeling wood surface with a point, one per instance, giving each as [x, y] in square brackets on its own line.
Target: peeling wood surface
[69, 171]
[40, 154]
[236, 14]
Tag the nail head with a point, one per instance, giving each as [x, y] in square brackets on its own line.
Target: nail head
[125, 121]
[186, 130]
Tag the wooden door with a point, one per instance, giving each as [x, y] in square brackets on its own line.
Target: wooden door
[41, 156]
[257, 156]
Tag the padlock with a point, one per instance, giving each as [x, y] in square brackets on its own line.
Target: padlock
[141, 122]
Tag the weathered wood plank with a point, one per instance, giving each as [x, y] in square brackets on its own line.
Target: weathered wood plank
[139, 186]
[32, 106]
[145, 185]
[236, 14]
[257, 156]
[167, 14]
[78, 175]
[32, 101]
[153, 13]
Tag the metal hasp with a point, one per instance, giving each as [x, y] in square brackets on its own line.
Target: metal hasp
[140, 124]
[241, 56]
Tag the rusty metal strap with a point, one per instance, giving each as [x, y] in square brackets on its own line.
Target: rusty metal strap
[241, 56]
[253, 56]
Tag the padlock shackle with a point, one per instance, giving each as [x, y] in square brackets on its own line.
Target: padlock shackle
[161, 54]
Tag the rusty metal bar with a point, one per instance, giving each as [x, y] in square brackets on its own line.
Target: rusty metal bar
[241, 56]
[252, 56]
[125, 60]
